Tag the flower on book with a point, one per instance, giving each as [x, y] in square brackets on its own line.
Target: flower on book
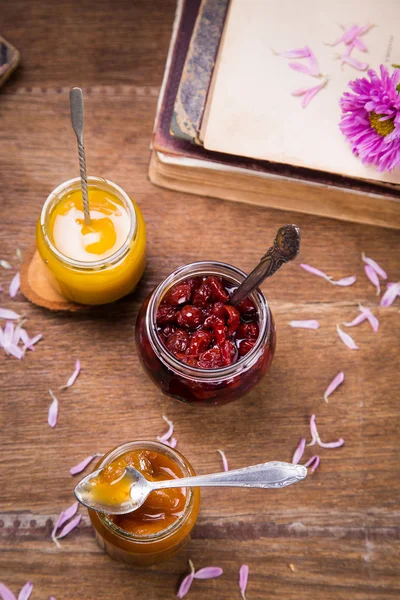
[371, 118]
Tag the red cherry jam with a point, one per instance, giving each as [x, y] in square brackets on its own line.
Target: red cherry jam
[195, 345]
[198, 325]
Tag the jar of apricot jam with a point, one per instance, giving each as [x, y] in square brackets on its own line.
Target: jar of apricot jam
[162, 525]
[197, 347]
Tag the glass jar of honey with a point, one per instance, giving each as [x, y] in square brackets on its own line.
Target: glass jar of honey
[162, 525]
[99, 262]
[197, 347]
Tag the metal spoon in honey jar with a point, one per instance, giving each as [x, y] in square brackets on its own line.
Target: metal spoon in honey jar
[128, 492]
[285, 248]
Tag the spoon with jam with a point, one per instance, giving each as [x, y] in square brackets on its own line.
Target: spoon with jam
[128, 490]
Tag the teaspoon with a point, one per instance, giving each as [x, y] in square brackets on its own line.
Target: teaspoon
[267, 475]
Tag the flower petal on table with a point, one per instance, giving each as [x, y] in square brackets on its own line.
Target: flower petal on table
[312, 462]
[185, 585]
[224, 460]
[14, 285]
[208, 573]
[315, 271]
[346, 281]
[310, 324]
[53, 411]
[69, 527]
[5, 264]
[360, 318]
[243, 579]
[6, 593]
[83, 464]
[353, 62]
[373, 278]
[336, 381]
[347, 339]
[305, 69]
[372, 263]
[390, 295]
[26, 591]
[15, 351]
[295, 53]
[5, 313]
[73, 377]
[358, 43]
[313, 431]
[316, 438]
[299, 451]
[168, 434]
[64, 516]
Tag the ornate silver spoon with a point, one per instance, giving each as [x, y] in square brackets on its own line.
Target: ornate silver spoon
[267, 475]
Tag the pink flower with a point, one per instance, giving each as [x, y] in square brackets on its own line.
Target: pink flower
[371, 118]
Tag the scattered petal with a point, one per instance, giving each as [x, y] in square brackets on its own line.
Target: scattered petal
[311, 324]
[347, 339]
[224, 460]
[5, 264]
[243, 579]
[18, 254]
[346, 281]
[312, 60]
[313, 462]
[358, 43]
[26, 591]
[6, 593]
[305, 69]
[53, 411]
[14, 285]
[31, 342]
[299, 451]
[377, 268]
[64, 516]
[168, 434]
[8, 335]
[390, 295]
[69, 527]
[336, 381]
[73, 377]
[373, 321]
[292, 568]
[15, 351]
[373, 277]
[353, 62]
[171, 443]
[315, 271]
[295, 53]
[360, 318]
[350, 34]
[186, 582]
[208, 573]
[185, 585]
[314, 432]
[5, 313]
[317, 439]
[83, 464]
[342, 282]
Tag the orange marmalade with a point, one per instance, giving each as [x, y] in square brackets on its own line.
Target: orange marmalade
[157, 529]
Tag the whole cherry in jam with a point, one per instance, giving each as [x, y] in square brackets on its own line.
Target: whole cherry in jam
[201, 329]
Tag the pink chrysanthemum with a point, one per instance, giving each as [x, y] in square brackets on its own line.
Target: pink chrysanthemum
[371, 118]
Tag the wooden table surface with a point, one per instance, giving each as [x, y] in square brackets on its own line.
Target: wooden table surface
[340, 528]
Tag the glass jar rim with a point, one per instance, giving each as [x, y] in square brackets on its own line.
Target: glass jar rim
[221, 373]
[171, 453]
[73, 184]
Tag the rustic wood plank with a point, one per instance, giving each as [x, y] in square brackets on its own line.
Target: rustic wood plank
[340, 528]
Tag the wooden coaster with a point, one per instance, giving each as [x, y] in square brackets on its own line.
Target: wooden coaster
[40, 287]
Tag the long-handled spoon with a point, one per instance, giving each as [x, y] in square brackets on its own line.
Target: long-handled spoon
[76, 103]
[286, 247]
[267, 475]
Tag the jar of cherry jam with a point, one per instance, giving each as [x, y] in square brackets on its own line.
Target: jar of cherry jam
[197, 347]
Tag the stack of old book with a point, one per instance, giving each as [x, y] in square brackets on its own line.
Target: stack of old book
[228, 126]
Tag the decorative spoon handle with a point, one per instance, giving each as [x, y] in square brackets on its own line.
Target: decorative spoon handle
[286, 247]
[267, 475]
[76, 103]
